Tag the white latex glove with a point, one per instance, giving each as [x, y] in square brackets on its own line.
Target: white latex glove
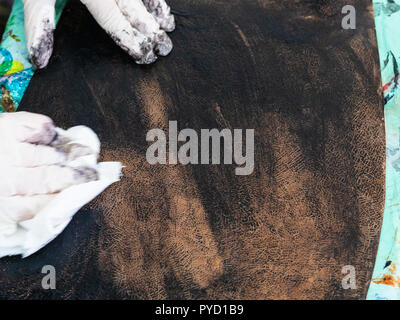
[31, 170]
[137, 26]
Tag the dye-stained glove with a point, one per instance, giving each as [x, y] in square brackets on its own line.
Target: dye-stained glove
[31, 170]
[137, 26]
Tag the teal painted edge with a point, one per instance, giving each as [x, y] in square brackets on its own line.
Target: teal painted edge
[385, 284]
[16, 71]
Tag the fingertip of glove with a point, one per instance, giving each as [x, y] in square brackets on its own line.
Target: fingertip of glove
[45, 136]
[168, 24]
[84, 175]
[40, 56]
[148, 58]
[164, 44]
[41, 53]
[148, 55]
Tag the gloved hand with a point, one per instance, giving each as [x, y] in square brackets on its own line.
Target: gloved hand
[137, 26]
[31, 170]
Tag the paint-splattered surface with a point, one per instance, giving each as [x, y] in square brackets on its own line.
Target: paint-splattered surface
[386, 278]
[314, 202]
[16, 69]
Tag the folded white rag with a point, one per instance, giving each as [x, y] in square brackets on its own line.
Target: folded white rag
[83, 147]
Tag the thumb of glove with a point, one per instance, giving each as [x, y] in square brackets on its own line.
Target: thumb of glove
[39, 29]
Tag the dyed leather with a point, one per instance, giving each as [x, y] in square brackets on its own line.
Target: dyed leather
[314, 203]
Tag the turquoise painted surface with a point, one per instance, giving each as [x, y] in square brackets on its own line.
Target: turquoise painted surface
[385, 284]
[16, 71]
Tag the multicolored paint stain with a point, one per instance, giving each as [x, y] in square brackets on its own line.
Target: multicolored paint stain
[389, 278]
[390, 87]
[16, 70]
[385, 283]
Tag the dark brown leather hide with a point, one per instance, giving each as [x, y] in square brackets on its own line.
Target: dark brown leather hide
[314, 202]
